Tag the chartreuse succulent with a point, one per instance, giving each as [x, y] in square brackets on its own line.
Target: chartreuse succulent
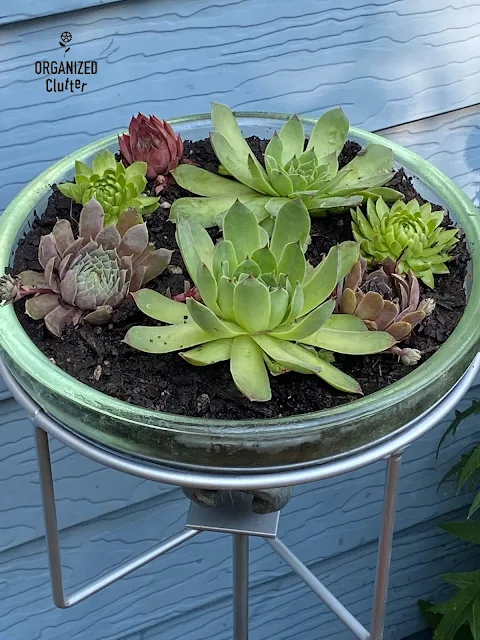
[293, 168]
[408, 234]
[113, 186]
[264, 308]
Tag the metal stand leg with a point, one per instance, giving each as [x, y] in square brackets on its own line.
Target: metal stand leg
[53, 543]
[240, 586]
[385, 546]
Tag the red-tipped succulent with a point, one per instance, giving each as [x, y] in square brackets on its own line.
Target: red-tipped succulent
[152, 141]
[385, 301]
[88, 276]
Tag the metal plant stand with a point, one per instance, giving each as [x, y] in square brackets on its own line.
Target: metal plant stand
[233, 514]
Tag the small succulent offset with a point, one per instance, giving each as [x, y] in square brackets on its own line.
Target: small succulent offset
[113, 186]
[407, 233]
[291, 171]
[88, 276]
[385, 301]
[152, 141]
[264, 307]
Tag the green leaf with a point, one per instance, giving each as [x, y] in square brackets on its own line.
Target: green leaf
[274, 205]
[251, 305]
[345, 322]
[82, 169]
[460, 416]
[371, 169]
[160, 307]
[265, 260]
[209, 322]
[277, 350]
[469, 531]
[431, 618]
[475, 505]
[292, 263]
[205, 183]
[464, 580]
[248, 370]
[308, 325]
[234, 160]
[68, 190]
[292, 224]
[209, 353]
[472, 465]
[330, 133]
[225, 298]
[278, 306]
[474, 619]
[249, 267]
[334, 202]
[240, 227]
[260, 179]
[207, 286]
[296, 304]
[136, 169]
[195, 245]
[166, 339]
[224, 252]
[333, 376]
[274, 152]
[455, 613]
[386, 193]
[322, 282]
[224, 122]
[281, 183]
[358, 343]
[292, 137]
[201, 210]
[99, 164]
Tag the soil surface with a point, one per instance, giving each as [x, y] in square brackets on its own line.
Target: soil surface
[98, 357]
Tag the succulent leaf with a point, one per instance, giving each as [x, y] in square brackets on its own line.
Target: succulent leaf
[87, 277]
[152, 143]
[109, 184]
[289, 172]
[254, 292]
[407, 234]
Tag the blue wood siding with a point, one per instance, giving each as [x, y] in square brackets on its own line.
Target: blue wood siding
[387, 62]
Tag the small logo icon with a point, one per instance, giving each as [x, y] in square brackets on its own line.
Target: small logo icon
[65, 38]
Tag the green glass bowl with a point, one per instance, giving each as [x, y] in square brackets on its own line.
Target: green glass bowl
[250, 444]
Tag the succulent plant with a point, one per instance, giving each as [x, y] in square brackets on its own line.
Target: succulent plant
[291, 171]
[385, 301]
[152, 141]
[113, 186]
[262, 303]
[407, 233]
[88, 276]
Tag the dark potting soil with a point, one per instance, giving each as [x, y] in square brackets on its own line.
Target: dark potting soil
[98, 357]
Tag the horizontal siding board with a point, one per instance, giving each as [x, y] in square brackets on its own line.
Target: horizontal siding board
[85, 490]
[343, 512]
[174, 58]
[31, 9]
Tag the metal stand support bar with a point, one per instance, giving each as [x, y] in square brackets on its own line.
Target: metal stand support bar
[319, 589]
[385, 543]
[240, 585]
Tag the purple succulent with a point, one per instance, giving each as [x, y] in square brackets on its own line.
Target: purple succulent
[88, 276]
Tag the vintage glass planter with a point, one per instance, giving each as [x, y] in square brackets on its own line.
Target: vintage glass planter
[250, 444]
